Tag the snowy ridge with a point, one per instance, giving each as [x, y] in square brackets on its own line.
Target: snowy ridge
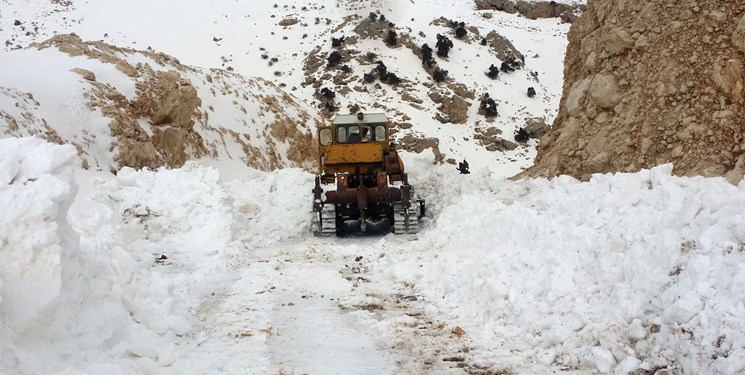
[60, 112]
[96, 105]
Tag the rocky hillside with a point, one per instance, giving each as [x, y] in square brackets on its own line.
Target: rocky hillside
[456, 87]
[124, 107]
[469, 80]
[648, 83]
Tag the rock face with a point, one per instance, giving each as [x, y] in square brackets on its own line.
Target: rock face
[648, 83]
[169, 101]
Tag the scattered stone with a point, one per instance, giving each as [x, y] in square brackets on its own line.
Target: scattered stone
[86, 74]
[458, 331]
[453, 108]
[536, 127]
[288, 21]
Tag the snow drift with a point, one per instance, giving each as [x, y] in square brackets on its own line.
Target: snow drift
[625, 271]
[36, 241]
[107, 281]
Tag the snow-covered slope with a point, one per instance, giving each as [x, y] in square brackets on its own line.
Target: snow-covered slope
[125, 107]
[446, 115]
[288, 42]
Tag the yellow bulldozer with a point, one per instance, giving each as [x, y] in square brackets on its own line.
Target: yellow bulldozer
[361, 179]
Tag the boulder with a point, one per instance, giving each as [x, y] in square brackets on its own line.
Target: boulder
[86, 74]
[536, 127]
[604, 91]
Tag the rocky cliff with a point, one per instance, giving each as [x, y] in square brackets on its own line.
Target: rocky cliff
[648, 83]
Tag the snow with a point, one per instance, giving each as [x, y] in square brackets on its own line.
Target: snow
[624, 272]
[593, 257]
[210, 268]
[35, 194]
[61, 106]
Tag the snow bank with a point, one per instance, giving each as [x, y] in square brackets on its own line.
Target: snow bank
[625, 271]
[36, 240]
[109, 282]
[96, 298]
[61, 307]
[621, 273]
[270, 207]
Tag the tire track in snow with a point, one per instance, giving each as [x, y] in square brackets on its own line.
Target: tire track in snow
[320, 307]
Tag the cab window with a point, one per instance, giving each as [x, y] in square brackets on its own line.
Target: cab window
[341, 134]
[325, 136]
[380, 133]
[365, 133]
[348, 134]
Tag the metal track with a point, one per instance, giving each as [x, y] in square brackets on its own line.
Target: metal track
[399, 219]
[315, 223]
[412, 220]
[328, 220]
[405, 220]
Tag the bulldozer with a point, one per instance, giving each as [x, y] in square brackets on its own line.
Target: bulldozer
[361, 179]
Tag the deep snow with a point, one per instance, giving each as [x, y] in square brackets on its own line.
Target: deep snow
[622, 272]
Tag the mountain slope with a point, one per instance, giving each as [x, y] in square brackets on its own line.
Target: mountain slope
[289, 42]
[123, 107]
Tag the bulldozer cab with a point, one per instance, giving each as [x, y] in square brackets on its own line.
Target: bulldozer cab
[357, 128]
[352, 142]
